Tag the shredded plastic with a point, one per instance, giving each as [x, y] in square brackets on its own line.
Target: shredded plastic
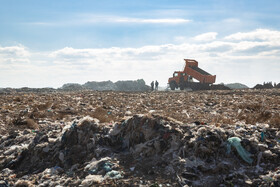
[235, 142]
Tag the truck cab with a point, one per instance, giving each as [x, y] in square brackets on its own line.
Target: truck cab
[175, 80]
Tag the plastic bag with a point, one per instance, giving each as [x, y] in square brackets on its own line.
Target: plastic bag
[235, 142]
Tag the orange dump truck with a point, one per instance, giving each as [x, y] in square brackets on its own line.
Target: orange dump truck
[184, 79]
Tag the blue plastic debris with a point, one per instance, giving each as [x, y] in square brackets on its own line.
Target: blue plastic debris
[74, 124]
[106, 166]
[114, 174]
[235, 142]
[200, 139]
[262, 136]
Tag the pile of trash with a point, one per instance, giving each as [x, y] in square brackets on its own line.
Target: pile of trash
[199, 154]
[87, 138]
[53, 151]
[142, 150]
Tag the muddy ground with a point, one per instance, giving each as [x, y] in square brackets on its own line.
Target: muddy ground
[92, 138]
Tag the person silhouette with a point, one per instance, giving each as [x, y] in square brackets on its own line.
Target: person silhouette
[156, 84]
[152, 85]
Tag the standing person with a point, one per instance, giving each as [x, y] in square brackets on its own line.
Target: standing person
[152, 86]
[156, 84]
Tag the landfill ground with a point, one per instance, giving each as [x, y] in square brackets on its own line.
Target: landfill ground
[93, 138]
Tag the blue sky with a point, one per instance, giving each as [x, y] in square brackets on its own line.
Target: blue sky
[48, 43]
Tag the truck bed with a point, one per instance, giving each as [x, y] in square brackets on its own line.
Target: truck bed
[200, 70]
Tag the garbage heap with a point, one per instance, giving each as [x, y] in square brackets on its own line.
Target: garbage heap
[148, 150]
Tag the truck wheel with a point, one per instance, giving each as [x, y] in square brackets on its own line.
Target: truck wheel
[172, 86]
[182, 87]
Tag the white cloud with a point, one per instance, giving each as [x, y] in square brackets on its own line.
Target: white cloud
[93, 18]
[209, 36]
[14, 54]
[14, 51]
[259, 34]
[88, 19]
[244, 61]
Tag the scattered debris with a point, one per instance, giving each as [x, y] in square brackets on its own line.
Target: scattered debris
[214, 138]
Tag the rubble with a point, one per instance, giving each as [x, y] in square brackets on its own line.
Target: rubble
[88, 138]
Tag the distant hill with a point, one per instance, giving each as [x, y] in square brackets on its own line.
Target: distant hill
[72, 86]
[26, 89]
[129, 85]
[138, 85]
[267, 85]
[236, 86]
[100, 86]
